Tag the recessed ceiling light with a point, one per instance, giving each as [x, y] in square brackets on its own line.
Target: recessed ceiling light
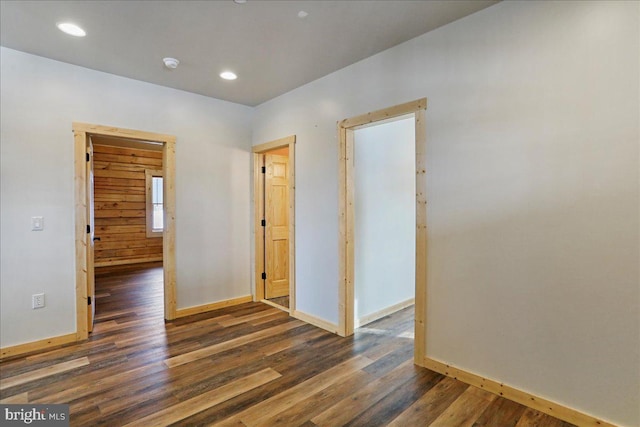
[240, 1]
[228, 75]
[171, 63]
[302, 14]
[71, 29]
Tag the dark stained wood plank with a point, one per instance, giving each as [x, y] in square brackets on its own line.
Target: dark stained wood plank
[346, 409]
[303, 411]
[396, 400]
[432, 404]
[196, 404]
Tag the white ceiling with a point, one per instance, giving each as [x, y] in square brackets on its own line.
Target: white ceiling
[265, 42]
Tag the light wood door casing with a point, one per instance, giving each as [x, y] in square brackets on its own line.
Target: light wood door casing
[276, 226]
[91, 286]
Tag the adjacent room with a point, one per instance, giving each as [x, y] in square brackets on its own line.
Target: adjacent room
[245, 212]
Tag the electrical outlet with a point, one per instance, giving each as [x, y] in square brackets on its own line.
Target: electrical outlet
[37, 301]
[37, 223]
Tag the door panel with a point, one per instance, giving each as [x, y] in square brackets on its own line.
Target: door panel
[277, 226]
[91, 287]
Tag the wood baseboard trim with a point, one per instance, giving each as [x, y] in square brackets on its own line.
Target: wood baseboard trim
[182, 312]
[384, 312]
[554, 409]
[316, 321]
[36, 346]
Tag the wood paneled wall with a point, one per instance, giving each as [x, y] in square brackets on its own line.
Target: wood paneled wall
[120, 208]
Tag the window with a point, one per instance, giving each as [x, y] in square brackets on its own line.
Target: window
[155, 211]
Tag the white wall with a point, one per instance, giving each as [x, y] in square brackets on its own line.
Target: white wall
[533, 205]
[385, 216]
[39, 100]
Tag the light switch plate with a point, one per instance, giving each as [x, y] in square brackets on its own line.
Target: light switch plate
[37, 223]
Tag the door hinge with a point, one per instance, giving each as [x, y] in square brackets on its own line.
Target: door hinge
[264, 169]
[88, 300]
[88, 157]
[264, 276]
[263, 223]
[88, 229]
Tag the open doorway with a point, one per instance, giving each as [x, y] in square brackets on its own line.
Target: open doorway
[384, 219]
[128, 227]
[119, 155]
[347, 218]
[274, 225]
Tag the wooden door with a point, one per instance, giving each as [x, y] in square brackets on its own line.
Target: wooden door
[276, 226]
[91, 287]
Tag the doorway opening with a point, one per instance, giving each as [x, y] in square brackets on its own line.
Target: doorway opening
[274, 223]
[384, 218]
[128, 225]
[347, 216]
[132, 157]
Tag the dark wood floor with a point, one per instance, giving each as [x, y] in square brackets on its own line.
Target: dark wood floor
[283, 301]
[248, 365]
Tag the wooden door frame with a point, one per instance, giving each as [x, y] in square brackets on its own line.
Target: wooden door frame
[258, 208]
[81, 132]
[346, 267]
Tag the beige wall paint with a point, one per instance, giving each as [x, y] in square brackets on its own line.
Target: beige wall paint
[39, 100]
[533, 193]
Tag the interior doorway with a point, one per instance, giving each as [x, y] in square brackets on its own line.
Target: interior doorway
[346, 202]
[127, 206]
[274, 224]
[84, 136]
[384, 231]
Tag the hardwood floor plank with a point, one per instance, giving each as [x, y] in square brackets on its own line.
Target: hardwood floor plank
[465, 410]
[279, 315]
[184, 409]
[433, 403]
[218, 348]
[99, 382]
[6, 383]
[249, 317]
[17, 398]
[502, 412]
[389, 361]
[268, 408]
[535, 418]
[346, 409]
[304, 410]
[396, 400]
[288, 343]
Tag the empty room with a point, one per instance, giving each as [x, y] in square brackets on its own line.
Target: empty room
[320, 213]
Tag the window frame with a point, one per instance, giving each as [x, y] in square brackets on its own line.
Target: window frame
[149, 175]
